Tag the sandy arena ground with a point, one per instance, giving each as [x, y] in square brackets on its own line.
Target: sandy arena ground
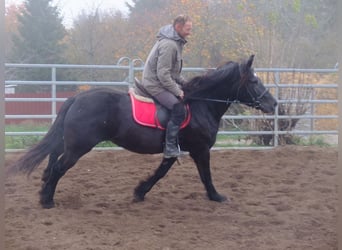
[284, 198]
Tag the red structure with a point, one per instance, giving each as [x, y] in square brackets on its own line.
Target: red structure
[32, 107]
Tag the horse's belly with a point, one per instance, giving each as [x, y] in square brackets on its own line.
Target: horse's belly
[142, 140]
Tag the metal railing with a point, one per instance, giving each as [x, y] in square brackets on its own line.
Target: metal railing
[134, 66]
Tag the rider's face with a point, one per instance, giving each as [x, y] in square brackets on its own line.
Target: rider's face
[184, 30]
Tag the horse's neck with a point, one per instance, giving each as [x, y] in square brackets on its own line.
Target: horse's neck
[219, 109]
[212, 111]
[215, 106]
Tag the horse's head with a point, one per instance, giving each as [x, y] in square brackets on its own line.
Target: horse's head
[251, 90]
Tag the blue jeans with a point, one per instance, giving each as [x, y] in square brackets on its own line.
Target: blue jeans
[172, 103]
[167, 99]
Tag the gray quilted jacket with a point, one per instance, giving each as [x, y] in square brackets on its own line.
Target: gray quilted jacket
[164, 63]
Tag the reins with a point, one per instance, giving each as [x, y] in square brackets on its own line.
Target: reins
[255, 103]
[214, 100]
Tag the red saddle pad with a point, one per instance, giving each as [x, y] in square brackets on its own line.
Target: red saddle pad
[145, 113]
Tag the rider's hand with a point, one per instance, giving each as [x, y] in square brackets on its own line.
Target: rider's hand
[181, 96]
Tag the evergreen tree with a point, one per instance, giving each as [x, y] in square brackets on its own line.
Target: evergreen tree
[39, 39]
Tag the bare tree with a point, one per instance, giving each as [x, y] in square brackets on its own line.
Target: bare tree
[293, 104]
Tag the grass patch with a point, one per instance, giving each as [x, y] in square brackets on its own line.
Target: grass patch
[24, 141]
[21, 142]
[233, 141]
[313, 140]
[106, 144]
[28, 127]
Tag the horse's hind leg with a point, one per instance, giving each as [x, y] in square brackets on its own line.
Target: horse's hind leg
[52, 160]
[52, 175]
[145, 186]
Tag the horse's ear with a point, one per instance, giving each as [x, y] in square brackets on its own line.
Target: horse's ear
[250, 61]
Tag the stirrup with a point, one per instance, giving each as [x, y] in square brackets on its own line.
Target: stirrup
[173, 154]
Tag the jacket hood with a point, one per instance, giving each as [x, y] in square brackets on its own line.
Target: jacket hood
[169, 32]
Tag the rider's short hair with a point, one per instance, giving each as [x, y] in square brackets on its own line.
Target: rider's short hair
[181, 19]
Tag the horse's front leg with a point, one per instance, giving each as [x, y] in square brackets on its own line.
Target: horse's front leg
[145, 186]
[202, 160]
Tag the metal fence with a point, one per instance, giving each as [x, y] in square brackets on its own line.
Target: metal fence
[130, 68]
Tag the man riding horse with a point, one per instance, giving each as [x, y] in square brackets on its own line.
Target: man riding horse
[162, 79]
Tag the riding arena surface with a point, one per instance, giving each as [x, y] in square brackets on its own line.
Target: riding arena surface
[282, 198]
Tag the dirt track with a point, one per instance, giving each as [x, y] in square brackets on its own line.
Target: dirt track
[285, 198]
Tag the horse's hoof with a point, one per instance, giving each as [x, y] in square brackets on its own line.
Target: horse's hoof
[219, 198]
[138, 198]
[47, 205]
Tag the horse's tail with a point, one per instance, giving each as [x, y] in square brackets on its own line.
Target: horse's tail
[54, 138]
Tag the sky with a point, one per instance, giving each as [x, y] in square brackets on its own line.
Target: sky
[71, 8]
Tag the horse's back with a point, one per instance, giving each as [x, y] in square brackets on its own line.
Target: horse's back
[93, 110]
[101, 91]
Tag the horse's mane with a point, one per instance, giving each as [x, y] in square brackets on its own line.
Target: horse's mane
[199, 86]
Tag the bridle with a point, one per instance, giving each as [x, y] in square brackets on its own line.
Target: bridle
[255, 100]
[256, 103]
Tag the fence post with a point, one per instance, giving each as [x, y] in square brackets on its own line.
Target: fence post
[312, 110]
[276, 113]
[136, 60]
[53, 93]
[130, 68]
[131, 73]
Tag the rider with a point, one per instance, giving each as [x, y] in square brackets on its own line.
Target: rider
[162, 78]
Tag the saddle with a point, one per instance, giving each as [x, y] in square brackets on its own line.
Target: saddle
[148, 113]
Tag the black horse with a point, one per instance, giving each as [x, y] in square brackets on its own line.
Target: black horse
[104, 114]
